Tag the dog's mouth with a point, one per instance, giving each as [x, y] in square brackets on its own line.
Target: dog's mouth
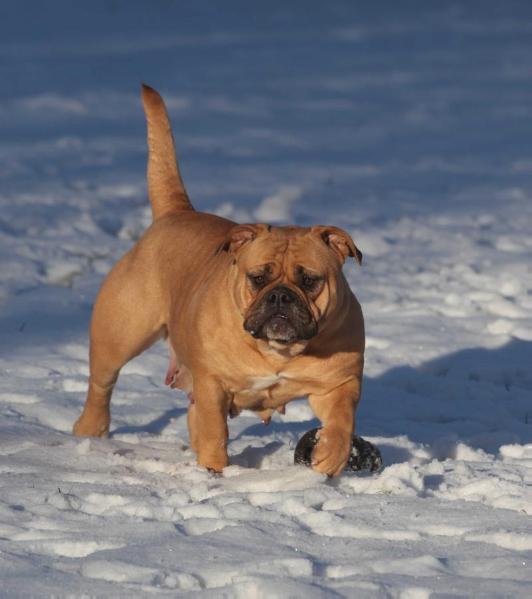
[283, 324]
[279, 328]
[275, 328]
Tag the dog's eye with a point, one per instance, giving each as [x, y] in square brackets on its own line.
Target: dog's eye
[308, 282]
[257, 280]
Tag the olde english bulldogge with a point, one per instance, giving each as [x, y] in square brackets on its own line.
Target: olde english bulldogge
[254, 316]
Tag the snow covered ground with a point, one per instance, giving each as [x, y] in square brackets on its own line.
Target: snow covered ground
[410, 125]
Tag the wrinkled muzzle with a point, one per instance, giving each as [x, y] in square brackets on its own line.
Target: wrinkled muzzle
[280, 315]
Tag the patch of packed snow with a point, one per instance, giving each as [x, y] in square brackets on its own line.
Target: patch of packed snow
[408, 125]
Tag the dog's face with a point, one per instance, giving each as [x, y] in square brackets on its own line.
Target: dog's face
[287, 280]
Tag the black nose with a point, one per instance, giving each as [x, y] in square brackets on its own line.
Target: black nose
[280, 297]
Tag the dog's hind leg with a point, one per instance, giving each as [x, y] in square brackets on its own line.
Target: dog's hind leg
[122, 327]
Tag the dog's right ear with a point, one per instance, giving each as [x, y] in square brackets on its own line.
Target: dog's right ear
[339, 241]
[239, 236]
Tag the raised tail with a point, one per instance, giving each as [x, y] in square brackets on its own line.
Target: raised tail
[165, 185]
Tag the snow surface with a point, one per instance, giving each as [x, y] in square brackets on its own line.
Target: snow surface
[410, 125]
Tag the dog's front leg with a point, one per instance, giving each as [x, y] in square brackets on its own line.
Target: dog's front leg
[207, 423]
[336, 410]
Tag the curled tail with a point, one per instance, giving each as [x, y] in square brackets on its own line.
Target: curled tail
[165, 186]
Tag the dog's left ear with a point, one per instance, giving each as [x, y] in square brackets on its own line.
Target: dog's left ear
[339, 241]
[239, 236]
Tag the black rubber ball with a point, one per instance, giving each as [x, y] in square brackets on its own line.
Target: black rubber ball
[364, 455]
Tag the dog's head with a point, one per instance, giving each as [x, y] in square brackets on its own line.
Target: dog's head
[287, 280]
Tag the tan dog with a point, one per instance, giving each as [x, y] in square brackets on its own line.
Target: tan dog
[255, 316]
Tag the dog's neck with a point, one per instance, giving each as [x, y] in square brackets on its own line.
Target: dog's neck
[280, 351]
[286, 351]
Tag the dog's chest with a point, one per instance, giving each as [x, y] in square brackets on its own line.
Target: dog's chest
[260, 383]
[263, 387]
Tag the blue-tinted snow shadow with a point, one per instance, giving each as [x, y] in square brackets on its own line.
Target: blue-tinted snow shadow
[44, 316]
[154, 427]
[252, 457]
[478, 397]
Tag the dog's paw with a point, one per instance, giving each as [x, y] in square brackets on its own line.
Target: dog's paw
[332, 451]
[213, 463]
[94, 425]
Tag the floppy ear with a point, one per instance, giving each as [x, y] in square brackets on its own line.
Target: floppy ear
[339, 241]
[239, 236]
